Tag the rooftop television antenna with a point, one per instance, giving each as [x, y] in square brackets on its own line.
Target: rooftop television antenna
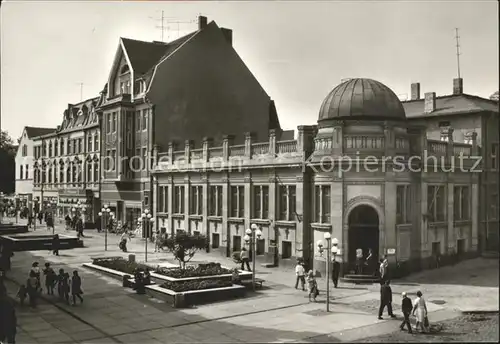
[457, 38]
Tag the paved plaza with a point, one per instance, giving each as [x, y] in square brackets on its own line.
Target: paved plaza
[277, 313]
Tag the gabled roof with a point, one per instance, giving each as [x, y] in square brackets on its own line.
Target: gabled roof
[38, 131]
[450, 105]
[145, 55]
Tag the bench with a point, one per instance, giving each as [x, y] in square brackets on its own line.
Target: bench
[248, 282]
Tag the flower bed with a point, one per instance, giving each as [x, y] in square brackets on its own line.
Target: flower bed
[202, 270]
[196, 285]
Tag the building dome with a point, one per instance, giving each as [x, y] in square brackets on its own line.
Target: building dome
[361, 99]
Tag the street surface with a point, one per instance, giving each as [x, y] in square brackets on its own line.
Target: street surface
[277, 313]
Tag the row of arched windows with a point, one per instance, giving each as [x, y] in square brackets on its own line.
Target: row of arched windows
[68, 173]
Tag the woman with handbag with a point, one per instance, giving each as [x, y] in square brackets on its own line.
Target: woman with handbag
[420, 308]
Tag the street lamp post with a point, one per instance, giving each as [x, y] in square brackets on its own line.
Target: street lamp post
[147, 218]
[252, 234]
[333, 249]
[105, 211]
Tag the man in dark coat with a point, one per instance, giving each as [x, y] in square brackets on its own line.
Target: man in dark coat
[385, 300]
[406, 308]
[335, 273]
[8, 320]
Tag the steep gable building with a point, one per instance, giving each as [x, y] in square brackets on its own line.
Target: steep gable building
[161, 93]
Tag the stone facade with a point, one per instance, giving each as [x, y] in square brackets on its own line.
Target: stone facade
[319, 197]
[67, 164]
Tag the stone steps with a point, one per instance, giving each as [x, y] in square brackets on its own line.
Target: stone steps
[360, 279]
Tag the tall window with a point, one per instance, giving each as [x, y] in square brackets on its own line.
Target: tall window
[80, 145]
[21, 172]
[27, 171]
[55, 174]
[196, 200]
[25, 150]
[96, 170]
[61, 173]
[138, 120]
[215, 206]
[113, 123]
[96, 142]
[89, 143]
[49, 153]
[113, 159]
[260, 202]
[56, 148]
[145, 119]
[178, 200]
[436, 203]
[144, 158]
[89, 170]
[494, 154]
[162, 202]
[322, 203]
[461, 203]
[287, 201]
[108, 124]
[237, 201]
[61, 146]
[403, 204]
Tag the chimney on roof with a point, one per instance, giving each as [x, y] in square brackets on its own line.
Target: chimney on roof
[458, 86]
[228, 35]
[430, 102]
[202, 22]
[415, 91]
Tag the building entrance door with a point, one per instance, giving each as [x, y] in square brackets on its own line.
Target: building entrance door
[363, 234]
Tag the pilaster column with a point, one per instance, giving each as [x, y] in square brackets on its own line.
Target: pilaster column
[171, 148]
[187, 199]
[187, 151]
[389, 236]
[227, 141]
[170, 204]
[338, 140]
[249, 137]
[450, 230]
[389, 141]
[225, 214]
[474, 212]
[248, 199]
[204, 208]
[336, 217]
[272, 141]
[273, 195]
[424, 209]
[207, 143]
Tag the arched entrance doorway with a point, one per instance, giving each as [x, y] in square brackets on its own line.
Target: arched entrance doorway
[363, 232]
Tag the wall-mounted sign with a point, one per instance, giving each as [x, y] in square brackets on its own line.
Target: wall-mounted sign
[391, 251]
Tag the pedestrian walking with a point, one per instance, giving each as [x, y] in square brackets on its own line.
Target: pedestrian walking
[8, 321]
[76, 287]
[50, 278]
[300, 275]
[79, 227]
[55, 245]
[60, 281]
[312, 286]
[50, 221]
[40, 217]
[123, 241]
[420, 311]
[22, 293]
[370, 262]
[406, 308]
[385, 300]
[158, 240]
[244, 259]
[32, 287]
[30, 219]
[65, 287]
[35, 269]
[67, 220]
[335, 272]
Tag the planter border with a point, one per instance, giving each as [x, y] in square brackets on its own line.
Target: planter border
[177, 299]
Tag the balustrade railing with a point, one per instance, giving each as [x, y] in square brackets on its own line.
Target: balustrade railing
[284, 147]
[197, 154]
[402, 143]
[460, 148]
[364, 142]
[238, 150]
[260, 148]
[215, 152]
[437, 147]
[179, 155]
[321, 144]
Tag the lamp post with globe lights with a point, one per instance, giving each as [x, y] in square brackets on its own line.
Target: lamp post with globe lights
[252, 235]
[147, 220]
[105, 212]
[334, 250]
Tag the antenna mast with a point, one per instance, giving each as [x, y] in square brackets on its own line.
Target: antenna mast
[457, 37]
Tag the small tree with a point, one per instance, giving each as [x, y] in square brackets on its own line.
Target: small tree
[184, 246]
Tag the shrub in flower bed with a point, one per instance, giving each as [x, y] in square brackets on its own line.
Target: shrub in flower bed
[122, 265]
[119, 264]
[210, 269]
[182, 286]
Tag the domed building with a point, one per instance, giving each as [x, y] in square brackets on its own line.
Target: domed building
[363, 176]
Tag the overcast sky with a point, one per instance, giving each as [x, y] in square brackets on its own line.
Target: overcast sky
[298, 51]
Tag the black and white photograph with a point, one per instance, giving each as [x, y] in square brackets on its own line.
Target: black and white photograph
[249, 171]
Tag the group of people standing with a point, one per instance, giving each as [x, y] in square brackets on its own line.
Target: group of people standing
[62, 282]
[75, 223]
[43, 216]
